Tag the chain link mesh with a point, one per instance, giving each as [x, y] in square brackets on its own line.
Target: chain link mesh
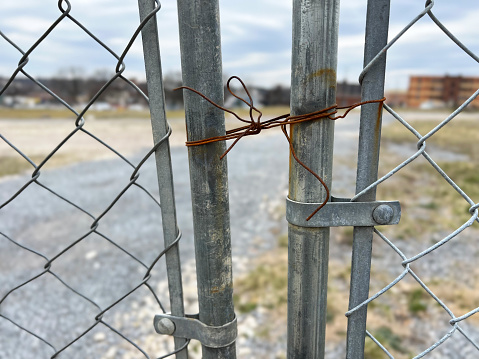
[457, 321]
[46, 276]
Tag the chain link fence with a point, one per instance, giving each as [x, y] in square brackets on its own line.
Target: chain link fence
[432, 267]
[50, 309]
[67, 287]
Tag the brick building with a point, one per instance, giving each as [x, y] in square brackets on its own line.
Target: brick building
[347, 94]
[441, 91]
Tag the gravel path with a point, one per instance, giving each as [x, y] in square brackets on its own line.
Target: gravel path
[94, 267]
[258, 174]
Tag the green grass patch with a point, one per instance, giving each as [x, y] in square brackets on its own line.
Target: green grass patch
[265, 286]
[283, 241]
[391, 341]
[417, 301]
[244, 307]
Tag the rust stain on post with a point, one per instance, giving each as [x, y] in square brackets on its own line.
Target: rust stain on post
[377, 128]
[378, 118]
[216, 289]
[329, 75]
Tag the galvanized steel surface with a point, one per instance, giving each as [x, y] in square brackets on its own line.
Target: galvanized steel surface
[313, 87]
[191, 327]
[154, 77]
[201, 64]
[372, 87]
[343, 213]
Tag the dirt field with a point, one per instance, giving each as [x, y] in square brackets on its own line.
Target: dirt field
[37, 137]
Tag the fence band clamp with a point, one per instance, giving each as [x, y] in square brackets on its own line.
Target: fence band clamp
[190, 327]
[340, 212]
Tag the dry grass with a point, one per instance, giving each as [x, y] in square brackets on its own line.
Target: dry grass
[15, 164]
[270, 111]
[265, 289]
[38, 138]
[422, 191]
[459, 135]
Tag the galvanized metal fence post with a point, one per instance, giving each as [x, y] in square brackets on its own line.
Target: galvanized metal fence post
[160, 129]
[372, 81]
[200, 44]
[313, 87]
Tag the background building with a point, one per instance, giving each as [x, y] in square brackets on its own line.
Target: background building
[441, 91]
[347, 93]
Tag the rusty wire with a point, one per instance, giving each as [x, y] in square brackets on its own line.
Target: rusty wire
[255, 126]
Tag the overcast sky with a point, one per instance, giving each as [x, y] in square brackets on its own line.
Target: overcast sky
[256, 38]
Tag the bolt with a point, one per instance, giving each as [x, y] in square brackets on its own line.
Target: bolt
[165, 326]
[383, 214]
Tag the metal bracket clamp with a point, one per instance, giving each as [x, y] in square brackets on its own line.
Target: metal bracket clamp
[190, 327]
[341, 212]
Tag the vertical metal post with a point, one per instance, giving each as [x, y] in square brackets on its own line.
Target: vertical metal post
[313, 87]
[200, 44]
[159, 126]
[377, 24]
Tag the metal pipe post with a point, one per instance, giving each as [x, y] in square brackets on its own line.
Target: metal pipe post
[200, 44]
[313, 87]
[159, 126]
[372, 81]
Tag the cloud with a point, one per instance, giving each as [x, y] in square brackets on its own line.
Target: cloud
[427, 49]
[27, 24]
[256, 37]
[251, 59]
[268, 78]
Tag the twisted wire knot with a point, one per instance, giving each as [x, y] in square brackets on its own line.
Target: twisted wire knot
[255, 126]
